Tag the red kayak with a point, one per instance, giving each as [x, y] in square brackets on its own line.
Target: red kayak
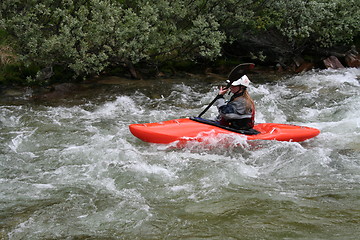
[197, 129]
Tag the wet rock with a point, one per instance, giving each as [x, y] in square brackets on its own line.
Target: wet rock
[58, 91]
[304, 67]
[333, 62]
[352, 60]
[298, 61]
[279, 68]
[160, 74]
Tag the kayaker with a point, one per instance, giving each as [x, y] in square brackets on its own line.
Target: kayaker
[239, 111]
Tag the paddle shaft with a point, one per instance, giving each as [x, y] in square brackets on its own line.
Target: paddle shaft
[213, 101]
[207, 108]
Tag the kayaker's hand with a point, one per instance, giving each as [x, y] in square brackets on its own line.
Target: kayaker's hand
[223, 90]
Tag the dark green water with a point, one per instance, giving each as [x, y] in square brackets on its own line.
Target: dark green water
[70, 169]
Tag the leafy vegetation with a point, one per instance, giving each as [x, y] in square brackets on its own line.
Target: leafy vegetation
[84, 37]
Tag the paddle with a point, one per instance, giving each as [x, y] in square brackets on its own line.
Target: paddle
[234, 75]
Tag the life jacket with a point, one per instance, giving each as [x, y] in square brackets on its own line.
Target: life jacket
[244, 123]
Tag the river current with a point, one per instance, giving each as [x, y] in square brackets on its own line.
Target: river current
[70, 169]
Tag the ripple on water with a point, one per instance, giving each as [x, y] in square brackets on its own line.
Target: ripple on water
[71, 170]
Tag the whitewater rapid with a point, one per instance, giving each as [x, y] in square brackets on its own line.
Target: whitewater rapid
[72, 169]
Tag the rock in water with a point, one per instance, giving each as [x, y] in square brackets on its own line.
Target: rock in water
[332, 62]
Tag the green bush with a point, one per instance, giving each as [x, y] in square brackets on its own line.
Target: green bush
[85, 37]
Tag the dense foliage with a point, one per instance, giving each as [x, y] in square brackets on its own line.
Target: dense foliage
[84, 37]
[313, 24]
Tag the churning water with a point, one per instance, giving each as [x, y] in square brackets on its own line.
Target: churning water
[72, 170]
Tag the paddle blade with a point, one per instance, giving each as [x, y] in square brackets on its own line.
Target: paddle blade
[239, 71]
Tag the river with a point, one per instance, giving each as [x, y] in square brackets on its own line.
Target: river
[70, 168]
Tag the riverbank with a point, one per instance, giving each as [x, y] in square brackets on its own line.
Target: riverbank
[57, 91]
[98, 84]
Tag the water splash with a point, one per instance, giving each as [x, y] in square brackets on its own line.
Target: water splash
[75, 171]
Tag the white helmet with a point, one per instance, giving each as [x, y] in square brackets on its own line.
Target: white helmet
[244, 81]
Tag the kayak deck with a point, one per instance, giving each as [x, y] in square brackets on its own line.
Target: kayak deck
[185, 129]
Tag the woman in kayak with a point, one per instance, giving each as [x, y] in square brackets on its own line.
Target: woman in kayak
[239, 112]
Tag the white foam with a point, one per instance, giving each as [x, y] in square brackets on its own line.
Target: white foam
[80, 168]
